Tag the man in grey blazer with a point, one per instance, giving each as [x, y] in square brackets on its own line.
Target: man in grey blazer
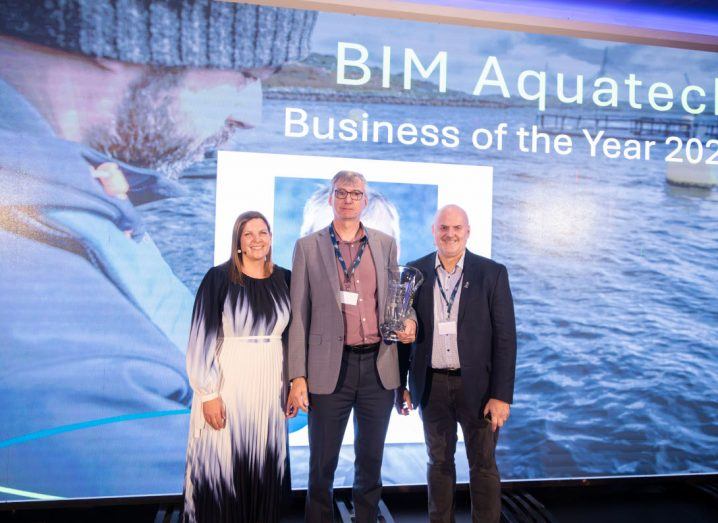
[337, 359]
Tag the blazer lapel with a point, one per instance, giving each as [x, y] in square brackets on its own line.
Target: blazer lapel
[330, 262]
[377, 252]
[428, 291]
[466, 285]
[426, 305]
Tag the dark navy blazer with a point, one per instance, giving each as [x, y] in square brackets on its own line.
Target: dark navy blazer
[486, 332]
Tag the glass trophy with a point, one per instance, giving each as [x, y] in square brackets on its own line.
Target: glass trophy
[403, 283]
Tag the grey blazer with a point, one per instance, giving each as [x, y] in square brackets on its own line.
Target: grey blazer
[316, 333]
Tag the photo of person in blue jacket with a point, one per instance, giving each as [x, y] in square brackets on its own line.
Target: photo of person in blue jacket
[103, 103]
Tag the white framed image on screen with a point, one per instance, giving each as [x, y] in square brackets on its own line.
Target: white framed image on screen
[246, 181]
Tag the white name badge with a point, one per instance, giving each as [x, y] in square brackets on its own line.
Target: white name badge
[348, 298]
[447, 327]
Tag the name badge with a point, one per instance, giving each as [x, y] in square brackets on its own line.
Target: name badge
[348, 298]
[447, 327]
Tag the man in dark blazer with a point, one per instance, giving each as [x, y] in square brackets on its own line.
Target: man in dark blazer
[461, 366]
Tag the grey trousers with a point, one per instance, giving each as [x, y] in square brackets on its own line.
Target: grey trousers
[359, 388]
[444, 407]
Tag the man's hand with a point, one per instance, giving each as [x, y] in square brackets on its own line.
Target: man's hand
[402, 401]
[112, 179]
[499, 411]
[214, 413]
[298, 397]
[409, 333]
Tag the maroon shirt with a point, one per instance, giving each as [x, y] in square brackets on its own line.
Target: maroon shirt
[361, 321]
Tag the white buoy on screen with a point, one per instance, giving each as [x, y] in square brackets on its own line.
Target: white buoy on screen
[692, 175]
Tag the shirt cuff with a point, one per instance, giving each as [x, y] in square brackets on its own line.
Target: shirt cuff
[208, 397]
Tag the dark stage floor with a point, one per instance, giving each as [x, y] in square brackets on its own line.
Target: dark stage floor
[616, 501]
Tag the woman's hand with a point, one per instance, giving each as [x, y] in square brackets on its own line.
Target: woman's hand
[214, 413]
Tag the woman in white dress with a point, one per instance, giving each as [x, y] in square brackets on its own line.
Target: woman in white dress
[237, 452]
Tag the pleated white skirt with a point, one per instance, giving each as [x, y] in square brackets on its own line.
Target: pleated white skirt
[236, 473]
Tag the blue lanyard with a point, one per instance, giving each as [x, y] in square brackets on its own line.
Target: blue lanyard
[450, 301]
[347, 273]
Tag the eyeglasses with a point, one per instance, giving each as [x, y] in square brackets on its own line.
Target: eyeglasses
[342, 194]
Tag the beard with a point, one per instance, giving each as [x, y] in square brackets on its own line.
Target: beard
[146, 130]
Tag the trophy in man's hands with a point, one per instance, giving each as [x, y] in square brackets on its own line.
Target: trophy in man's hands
[403, 282]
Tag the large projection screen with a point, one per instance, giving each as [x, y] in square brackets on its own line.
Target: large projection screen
[589, 168]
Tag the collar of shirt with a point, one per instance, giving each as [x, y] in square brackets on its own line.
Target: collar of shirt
[359, 235]
[459, 264]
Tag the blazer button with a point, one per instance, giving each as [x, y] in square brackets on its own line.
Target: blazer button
[340, 338]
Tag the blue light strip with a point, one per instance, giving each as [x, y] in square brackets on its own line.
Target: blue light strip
[88, 424]
[27, 494]
[69, 428]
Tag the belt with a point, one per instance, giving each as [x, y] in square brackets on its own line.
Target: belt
[362, 349]
[447, 372]
[253, 338]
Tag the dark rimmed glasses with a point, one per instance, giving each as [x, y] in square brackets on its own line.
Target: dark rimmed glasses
[342, 194]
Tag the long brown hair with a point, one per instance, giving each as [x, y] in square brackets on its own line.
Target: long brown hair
[235, 265]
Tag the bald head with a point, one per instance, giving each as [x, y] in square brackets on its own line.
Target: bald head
[451, 231]
[452, 211]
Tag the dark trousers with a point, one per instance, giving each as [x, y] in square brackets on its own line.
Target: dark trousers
[444, 407]
[359, 388]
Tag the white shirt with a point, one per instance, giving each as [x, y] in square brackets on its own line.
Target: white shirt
[445, 351]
